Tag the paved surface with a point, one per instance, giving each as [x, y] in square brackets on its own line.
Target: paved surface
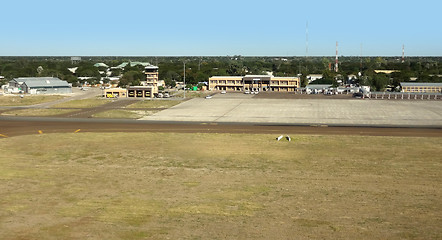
[244, 108]
[240, 113]
[15, 126]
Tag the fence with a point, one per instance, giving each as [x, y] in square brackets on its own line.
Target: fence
[404, 96]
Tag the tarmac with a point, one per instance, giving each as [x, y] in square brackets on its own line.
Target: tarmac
[244, 108]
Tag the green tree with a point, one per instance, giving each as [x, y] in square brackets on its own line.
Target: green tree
[379, 81]
[131, 78]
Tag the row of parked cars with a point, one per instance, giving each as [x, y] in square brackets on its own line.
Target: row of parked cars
[251, 92]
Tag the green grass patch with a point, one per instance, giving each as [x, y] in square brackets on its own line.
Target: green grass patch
[34, 112]
[123, 114]
[155, 104]
[28, 99]
[217, 186]
[193, 94]
[83, 103]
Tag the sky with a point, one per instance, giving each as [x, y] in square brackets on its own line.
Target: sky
[220, 28]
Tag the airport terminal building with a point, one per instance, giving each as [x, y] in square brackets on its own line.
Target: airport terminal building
[260, 83]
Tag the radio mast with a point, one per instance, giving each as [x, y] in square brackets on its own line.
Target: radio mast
[336, 60]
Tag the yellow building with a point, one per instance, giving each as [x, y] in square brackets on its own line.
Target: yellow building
[114, 92]
[421, 87]
[141, 91]
[254, 83]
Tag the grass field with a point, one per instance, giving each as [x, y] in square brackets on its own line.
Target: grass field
[83, 103]
[34, 112]
[193, 94]
[27, 99]
[219, 186]
[123, 114]
[155, 104]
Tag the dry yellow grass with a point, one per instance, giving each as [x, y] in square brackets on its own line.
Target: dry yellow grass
[155, 104]
[27, 99]
[219, 186]
[36, 112]
[123, 114]
[83, 103]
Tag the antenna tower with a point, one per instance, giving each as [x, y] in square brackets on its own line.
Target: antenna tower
[336, 60]
[360, 59]
[403, 53]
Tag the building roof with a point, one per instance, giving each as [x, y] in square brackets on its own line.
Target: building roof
[386, 71]
[283, 78]
[318, 86]
[258, 76]
[227, 77]
[150, 67]
[73, 70]
[144, 64]
[418, 84]
[100, 65]
[123, 65]
[315, 75]
[34, 82]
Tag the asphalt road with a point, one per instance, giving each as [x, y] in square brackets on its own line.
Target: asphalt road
[15, 126]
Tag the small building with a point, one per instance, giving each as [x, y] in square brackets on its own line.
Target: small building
[115, 92]
[418, 87]
[314, 77]
[40, 85]
[386, 71]
[317, 88]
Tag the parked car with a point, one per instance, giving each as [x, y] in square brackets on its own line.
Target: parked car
[358, 95]
[223, 92]
[208, 97]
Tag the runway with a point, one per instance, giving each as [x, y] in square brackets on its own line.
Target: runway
[16, 126]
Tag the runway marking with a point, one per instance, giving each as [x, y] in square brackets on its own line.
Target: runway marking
[1, 135]
[40, 132]
[76, 131]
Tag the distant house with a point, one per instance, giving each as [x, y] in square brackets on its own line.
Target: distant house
[40, 85]
[386, 71]
[101, 65]
[313, 77]
[421, 87]
[317, 88]
[132, 64]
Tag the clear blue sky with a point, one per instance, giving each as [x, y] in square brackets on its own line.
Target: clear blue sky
[220, 28]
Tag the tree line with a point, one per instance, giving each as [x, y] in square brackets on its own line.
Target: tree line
[199, 69]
